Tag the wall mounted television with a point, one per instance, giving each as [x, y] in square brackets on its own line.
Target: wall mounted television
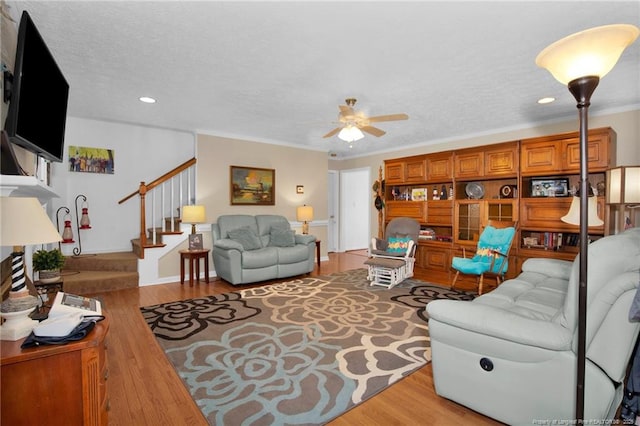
[37, 111]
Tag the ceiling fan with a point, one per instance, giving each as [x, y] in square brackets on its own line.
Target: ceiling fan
[353, 123]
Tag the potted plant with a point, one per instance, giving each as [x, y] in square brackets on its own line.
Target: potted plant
[48, 263]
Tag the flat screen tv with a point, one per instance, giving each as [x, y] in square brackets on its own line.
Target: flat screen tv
[38, 107]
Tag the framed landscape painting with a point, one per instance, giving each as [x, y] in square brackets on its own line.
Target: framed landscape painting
[252, 186]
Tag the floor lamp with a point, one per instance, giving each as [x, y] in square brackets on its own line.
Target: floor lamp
[580, 61]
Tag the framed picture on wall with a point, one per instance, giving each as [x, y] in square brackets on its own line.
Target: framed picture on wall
[252, 186]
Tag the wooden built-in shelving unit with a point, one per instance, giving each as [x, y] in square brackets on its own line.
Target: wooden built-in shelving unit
[432, 188]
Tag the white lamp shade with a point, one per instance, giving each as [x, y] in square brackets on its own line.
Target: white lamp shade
[573, 217]
[24, 222]
[350, 134]
[304, 213]
[193, 214]
[623, 185]
[593, 52]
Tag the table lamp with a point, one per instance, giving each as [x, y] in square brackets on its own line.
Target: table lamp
[304, 214]
[193, 214]
[623, 191]
[23, 222]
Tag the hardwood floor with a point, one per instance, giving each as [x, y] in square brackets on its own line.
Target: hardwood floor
[144, 389]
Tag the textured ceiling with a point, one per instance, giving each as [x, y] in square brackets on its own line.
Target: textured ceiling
[277, 71]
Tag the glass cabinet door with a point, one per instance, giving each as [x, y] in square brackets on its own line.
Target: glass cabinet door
[468, 220]
[502, 210]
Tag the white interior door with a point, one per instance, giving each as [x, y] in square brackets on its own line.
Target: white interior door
[333, 204]
[355, 194]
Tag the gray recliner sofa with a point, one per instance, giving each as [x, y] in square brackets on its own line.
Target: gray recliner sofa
[249, 249]
[511, 353]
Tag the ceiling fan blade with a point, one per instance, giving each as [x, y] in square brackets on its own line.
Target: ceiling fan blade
[345, 110]
[390, 117]
[333, 132]
[373, 130]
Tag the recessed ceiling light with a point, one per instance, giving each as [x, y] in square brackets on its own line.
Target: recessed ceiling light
[147, 100]
[547, 100]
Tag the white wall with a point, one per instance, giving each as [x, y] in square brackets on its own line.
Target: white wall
[141, 154]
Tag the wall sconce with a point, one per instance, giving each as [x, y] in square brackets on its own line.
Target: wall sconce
[623, 191]
[193, 214]
[304, 214]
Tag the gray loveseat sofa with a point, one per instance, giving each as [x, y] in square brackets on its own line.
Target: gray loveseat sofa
[249, 249]
[511, 354]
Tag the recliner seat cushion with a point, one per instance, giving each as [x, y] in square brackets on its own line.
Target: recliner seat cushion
[267, 256]
[294, 254]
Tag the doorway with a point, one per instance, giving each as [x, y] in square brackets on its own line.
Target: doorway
[354, 219]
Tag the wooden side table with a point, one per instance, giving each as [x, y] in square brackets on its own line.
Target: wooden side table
[318, 251]
[194, 256]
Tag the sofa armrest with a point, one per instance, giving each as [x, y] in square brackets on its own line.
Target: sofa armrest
[305, 238]
[501, 324]
[228, 244]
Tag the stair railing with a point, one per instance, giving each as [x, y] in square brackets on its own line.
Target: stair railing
[179, 183]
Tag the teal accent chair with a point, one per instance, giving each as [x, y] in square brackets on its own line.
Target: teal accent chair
[491, 256]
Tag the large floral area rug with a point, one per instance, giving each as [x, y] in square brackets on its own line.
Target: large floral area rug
[300, 352]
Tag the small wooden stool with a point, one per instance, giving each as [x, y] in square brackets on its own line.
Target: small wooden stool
[194, 256]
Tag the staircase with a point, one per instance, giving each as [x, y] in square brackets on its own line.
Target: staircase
[87, 274]
[160, 230]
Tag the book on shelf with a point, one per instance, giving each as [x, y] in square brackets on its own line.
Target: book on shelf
[545, 240]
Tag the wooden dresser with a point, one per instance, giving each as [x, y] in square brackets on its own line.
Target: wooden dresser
[55, 385]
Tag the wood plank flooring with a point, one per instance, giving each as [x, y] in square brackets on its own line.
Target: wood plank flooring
[144, 389]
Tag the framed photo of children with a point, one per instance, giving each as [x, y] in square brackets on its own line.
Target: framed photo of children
[91, 160]
[195, 241]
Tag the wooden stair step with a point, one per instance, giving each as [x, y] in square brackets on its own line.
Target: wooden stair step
[118, 261]
[90, 282]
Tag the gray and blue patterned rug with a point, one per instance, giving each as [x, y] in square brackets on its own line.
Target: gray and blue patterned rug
[300, 352]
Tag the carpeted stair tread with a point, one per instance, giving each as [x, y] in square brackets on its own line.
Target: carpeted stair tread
[119, 261]
[87, 282]
[96, 273]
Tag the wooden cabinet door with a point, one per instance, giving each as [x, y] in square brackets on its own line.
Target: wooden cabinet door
[502, 161]
[597, 153]
[436, 258]
[541, 157]
[544, 213]
[394, 172]
[413, 209]
[467, 221]
[439, 212]
[439, 168]
[469, 164]
[415, 170]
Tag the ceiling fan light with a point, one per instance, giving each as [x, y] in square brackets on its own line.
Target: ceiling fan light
[350, 134]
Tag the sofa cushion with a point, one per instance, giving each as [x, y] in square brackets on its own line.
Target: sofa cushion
[245, 236]
[230, 222]
[282, 238]
[287, 255]
[262, 258]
